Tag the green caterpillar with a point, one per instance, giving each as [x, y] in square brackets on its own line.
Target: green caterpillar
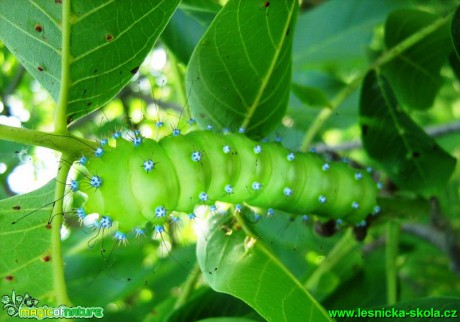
[143, 180]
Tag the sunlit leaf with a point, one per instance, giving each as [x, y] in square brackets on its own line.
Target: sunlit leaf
[246, 269]
[238, 75]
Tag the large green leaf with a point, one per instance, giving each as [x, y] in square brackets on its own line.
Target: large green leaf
[246, 269]
[25, 247]
[415, 74]
[411, 158]
[239, 74]
[109, 39]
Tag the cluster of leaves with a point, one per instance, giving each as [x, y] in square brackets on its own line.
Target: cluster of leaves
[337, 71]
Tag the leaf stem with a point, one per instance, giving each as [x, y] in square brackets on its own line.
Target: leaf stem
[65, 143]
[341, 249]
[60, 121]
[386, 57]
[60, 127]
[391, 254]
[57, 219]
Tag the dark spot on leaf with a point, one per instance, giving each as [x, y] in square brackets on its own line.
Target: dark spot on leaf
[201, 115]
[17, 207]
[416, 154]
[198, 77]
[89, 103]
[267, 4]
[58, 1]
[365, 128]
[48, 226]
[288, 31]
[46, 258]
[134, 70]
[108, 37]
[40, 68]
[129, 279]
[38, 28]
[95, 71]
[9, 277]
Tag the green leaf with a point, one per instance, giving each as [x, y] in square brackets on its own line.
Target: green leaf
[246, 269]
[239, 74]
[338, 32]
[411, 158]
[25, 247]
[455, 31]
[415, 74]
[108, 41]
[309, 95]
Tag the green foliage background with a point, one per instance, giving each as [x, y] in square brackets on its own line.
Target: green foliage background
[324, 74]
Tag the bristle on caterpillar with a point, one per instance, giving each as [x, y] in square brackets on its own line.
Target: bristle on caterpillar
[142, 180]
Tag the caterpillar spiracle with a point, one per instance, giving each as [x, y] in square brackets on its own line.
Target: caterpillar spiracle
[142, 180]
